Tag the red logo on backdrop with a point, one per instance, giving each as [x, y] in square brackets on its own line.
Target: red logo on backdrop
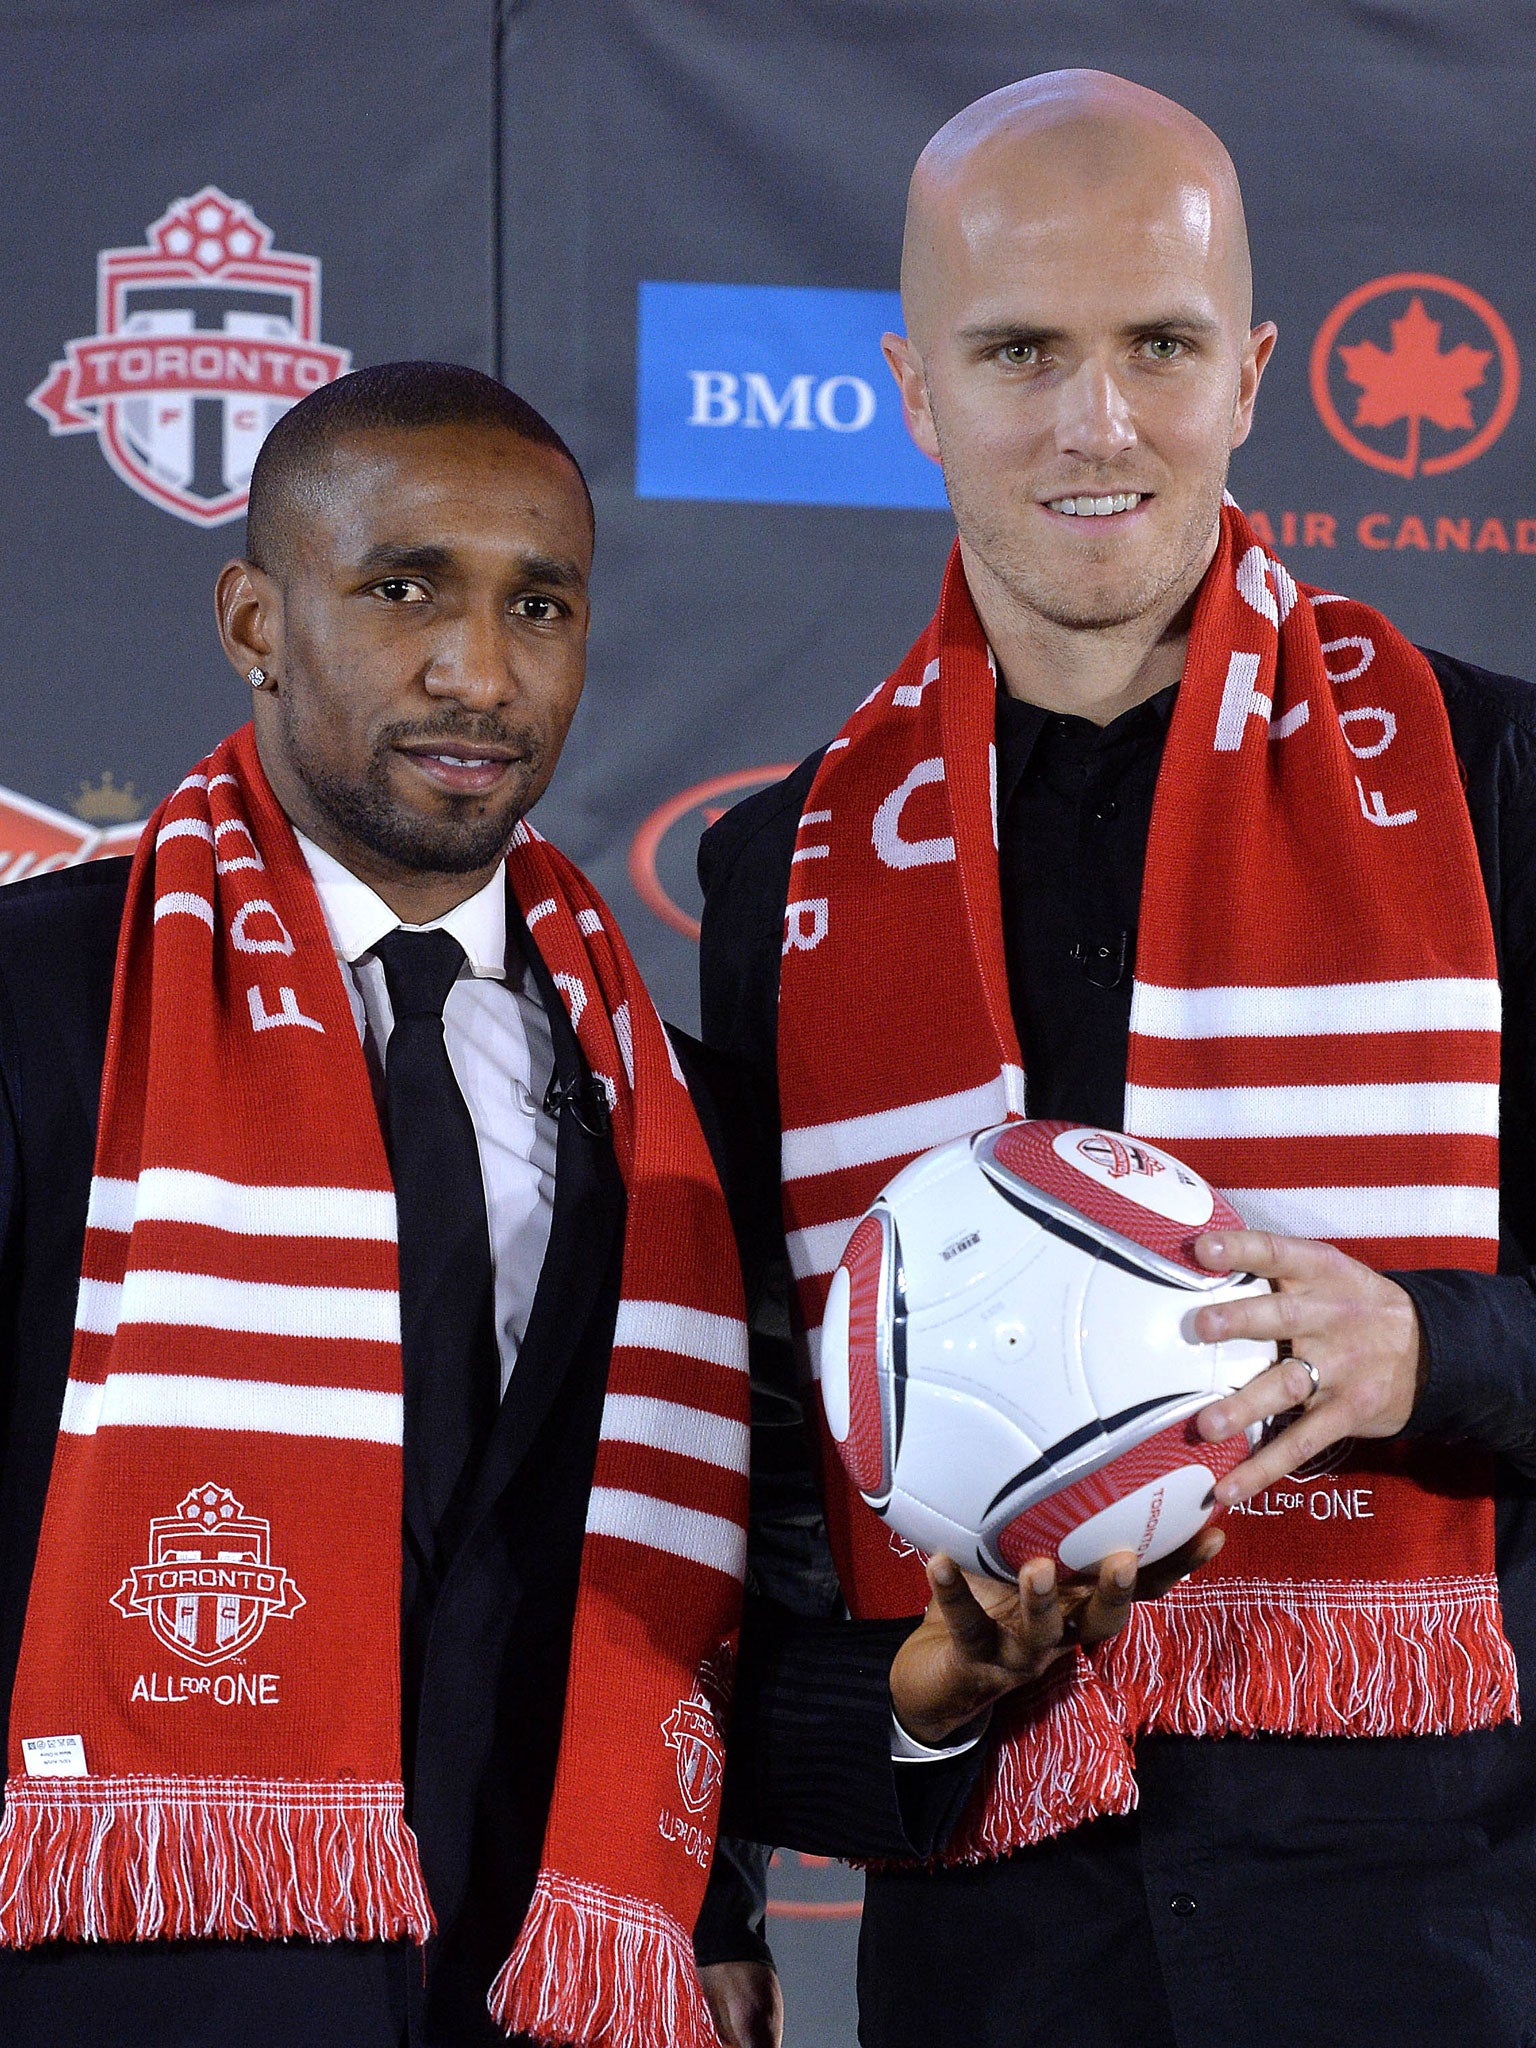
[805, 1887]
[206, 335]
[664, 845]
[1415, 374]
[34, 839]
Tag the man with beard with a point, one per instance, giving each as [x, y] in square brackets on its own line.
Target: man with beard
[373, 1477]
[1142, 836]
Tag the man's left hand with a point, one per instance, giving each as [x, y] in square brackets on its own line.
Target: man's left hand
[1359, 1330]
[746, 2003]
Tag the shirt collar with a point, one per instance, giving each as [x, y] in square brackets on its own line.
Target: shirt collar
[1019, 726]
[358, 917]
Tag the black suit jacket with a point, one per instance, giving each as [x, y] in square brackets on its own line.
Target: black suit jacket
[484, 1652]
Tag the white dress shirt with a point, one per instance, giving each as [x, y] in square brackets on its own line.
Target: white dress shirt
[502, 1057]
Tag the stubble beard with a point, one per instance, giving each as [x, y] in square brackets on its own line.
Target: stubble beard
[367, 811]
[1082, 602]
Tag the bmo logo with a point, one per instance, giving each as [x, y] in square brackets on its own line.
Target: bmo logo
[721, 399]
[773, 394]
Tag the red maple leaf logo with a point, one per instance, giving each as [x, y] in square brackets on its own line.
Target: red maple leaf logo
[1415, 379]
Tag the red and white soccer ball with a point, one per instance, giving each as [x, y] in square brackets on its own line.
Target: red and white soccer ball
[1007, 1361]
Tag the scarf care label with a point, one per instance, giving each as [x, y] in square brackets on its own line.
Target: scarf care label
[54, 1756]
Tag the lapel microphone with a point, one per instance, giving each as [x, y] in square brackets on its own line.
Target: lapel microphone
[584, 1097]
[1104, 966]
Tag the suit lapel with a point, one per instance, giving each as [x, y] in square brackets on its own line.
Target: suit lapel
[584, 1233]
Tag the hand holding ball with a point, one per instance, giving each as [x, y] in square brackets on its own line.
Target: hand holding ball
[1007, 1360]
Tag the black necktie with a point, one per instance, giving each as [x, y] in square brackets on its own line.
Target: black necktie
[447, 1304]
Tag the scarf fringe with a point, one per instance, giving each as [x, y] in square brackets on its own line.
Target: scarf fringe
[598, 1970]
[161, 1859]
[1059, 1758]
[1250, 1657]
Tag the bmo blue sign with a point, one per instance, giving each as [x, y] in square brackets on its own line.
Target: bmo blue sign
[773, 394]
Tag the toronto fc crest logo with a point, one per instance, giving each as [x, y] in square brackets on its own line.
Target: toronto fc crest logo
[692, 1730]
[1117, 1156]
[210, 1587]
[206, 335]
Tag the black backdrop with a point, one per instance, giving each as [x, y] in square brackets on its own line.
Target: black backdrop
[494, 184]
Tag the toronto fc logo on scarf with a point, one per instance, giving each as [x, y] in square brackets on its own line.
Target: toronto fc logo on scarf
[205, 336]
[692, 1729]
[210, 1587]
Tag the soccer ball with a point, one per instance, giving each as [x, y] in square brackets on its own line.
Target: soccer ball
[1007, 1363]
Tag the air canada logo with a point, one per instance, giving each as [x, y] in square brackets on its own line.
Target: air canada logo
[206, 335]
[1415, 374]
[210, 1587]
[662, 852]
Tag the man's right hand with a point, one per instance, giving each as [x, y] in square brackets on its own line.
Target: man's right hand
[981, 1638]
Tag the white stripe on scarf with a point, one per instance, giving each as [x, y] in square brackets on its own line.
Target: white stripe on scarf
[1370, 1212]
[901, 1133]
[1440, 1003]
[673, 1426]
[662, 1525]
[263, 1308]
[167, 1194]
[818, 1247]
[154, 1400]
[690, 1332]
[1327, 1109]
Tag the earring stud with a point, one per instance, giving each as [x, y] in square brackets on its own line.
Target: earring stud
[257, 678]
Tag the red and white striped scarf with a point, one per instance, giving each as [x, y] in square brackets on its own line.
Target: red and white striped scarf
[211, 1652]
[1314, 1027]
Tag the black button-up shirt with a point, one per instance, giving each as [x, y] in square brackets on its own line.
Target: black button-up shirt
[1074, 803]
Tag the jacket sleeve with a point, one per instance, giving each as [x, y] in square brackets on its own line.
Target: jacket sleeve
[730, 1926]
[1478, 1330]
[809, 1761]
[10, 1212]
[1479, 1336]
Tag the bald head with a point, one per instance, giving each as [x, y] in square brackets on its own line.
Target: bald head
[1012, 169]
[1079, 354]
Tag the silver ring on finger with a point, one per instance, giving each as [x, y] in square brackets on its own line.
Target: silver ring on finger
[1313, 1375]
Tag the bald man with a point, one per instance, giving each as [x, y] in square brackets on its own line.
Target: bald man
[1142, 836]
